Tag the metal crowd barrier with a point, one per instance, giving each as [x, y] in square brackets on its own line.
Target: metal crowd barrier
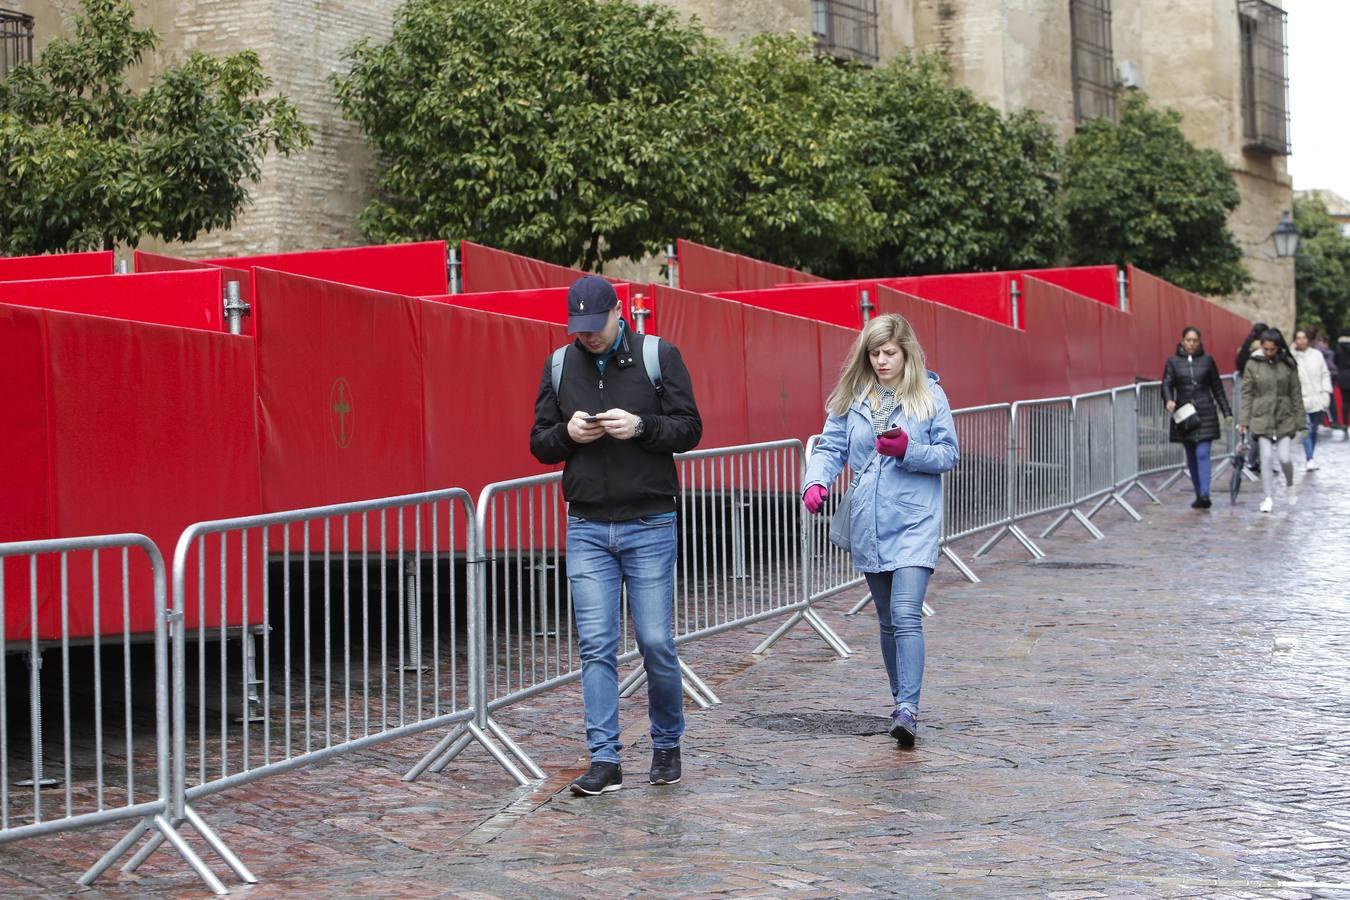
[115, 751]
[361, 642]
[324, 631]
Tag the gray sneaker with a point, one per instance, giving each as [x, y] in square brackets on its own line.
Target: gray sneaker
[904, 726]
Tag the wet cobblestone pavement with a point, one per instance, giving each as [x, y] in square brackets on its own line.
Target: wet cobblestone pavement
[1124, 727]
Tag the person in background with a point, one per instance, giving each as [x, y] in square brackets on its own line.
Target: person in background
[1272, 411]
[1251, 347]
[890, 421]
[1315, 381]
[1192, 376]
[1319, 343]
[1342, 352]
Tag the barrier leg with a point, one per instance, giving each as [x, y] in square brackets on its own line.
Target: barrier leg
[993, 541]
[699, 683]
[827, 633]
[213, 840]
[1171, 479]
[634, 680]
[496, 752]
[1119, 499]
[960, 566]
[1143, 487]
[1028, 543]
[164, 830]
[778, 632]
[514, 748]
[860, 605]
[1075, 515]
[449, 747]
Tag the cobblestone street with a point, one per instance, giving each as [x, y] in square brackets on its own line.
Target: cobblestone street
[1115, 720]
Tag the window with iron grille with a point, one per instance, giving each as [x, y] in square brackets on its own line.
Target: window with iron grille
[846, 29]
[1265, 79]
[16, 40]
[1094, 77]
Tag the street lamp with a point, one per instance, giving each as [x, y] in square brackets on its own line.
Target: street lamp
[1285, 236]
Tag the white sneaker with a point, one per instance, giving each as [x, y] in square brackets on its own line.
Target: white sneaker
[1312, 466]
[1291, 494]
[1267, 505]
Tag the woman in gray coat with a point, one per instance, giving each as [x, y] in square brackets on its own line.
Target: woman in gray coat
[891, 423]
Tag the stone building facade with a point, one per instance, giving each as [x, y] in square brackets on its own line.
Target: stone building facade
[311, 199]
[1011, 53]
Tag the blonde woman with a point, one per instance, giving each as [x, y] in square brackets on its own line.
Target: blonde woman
[890, 421]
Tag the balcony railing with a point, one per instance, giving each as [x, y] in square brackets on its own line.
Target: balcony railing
[846, 29]
[1265, 79]
[16, 40]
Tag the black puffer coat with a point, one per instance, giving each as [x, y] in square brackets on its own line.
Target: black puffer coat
[1195, 379]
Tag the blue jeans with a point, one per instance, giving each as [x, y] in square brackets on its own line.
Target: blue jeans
[1197, 461]
[602, 557]
[1310, 442]
[898, 596]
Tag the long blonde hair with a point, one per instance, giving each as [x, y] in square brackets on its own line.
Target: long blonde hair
[912, 394]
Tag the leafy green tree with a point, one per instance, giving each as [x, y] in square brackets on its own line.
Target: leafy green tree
[1141, 193]
[1321, 269]
[958, 186]
[87, 162]
[793, 122]
[567, 130]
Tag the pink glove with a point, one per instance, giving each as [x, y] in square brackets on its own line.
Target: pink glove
[814, 498]
[893, 443]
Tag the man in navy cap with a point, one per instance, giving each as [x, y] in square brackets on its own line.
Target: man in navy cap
[615, 419]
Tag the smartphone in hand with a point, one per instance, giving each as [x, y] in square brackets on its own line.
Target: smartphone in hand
[893, 432]
[591, 420]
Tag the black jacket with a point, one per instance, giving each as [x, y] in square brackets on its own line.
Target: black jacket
[1343, 363]
[1195, 379]
[611, 480]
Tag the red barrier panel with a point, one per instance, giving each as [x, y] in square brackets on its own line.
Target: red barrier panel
[147, 429]
[986, 294]
[479, 402]
[548, 304]
[412, 270]
[922, 317]
[1118, 347]
[709, 333]
[1048, 305]
[836, 346]
[782, 375]
[708, 270]
[25, 452]
[1097, 283]
[56, 265]
[340, 392]
[183, 299]
[156, 262]
[1149, 345]
[486, 269]
[833, 302]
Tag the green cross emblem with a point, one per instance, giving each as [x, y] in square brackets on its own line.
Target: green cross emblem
[342, 413]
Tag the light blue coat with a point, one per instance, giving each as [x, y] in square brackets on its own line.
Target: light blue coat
[897, 506]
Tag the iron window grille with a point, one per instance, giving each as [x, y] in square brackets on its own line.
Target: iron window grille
[16, 40]
[846, 29]
[1094, 78]
[1265, 78]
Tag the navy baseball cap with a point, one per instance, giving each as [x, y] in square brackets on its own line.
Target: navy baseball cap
[589, 301]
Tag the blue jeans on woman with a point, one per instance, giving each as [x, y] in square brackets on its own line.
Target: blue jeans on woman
[898, 596]
[1197, 462]
[602, 557]
[1315, 420]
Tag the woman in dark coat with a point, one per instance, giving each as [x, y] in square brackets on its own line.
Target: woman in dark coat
[1192, 376]
[1250, 347]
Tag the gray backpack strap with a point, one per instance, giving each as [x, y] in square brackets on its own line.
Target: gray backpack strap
[651, 359]
[556, 367]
